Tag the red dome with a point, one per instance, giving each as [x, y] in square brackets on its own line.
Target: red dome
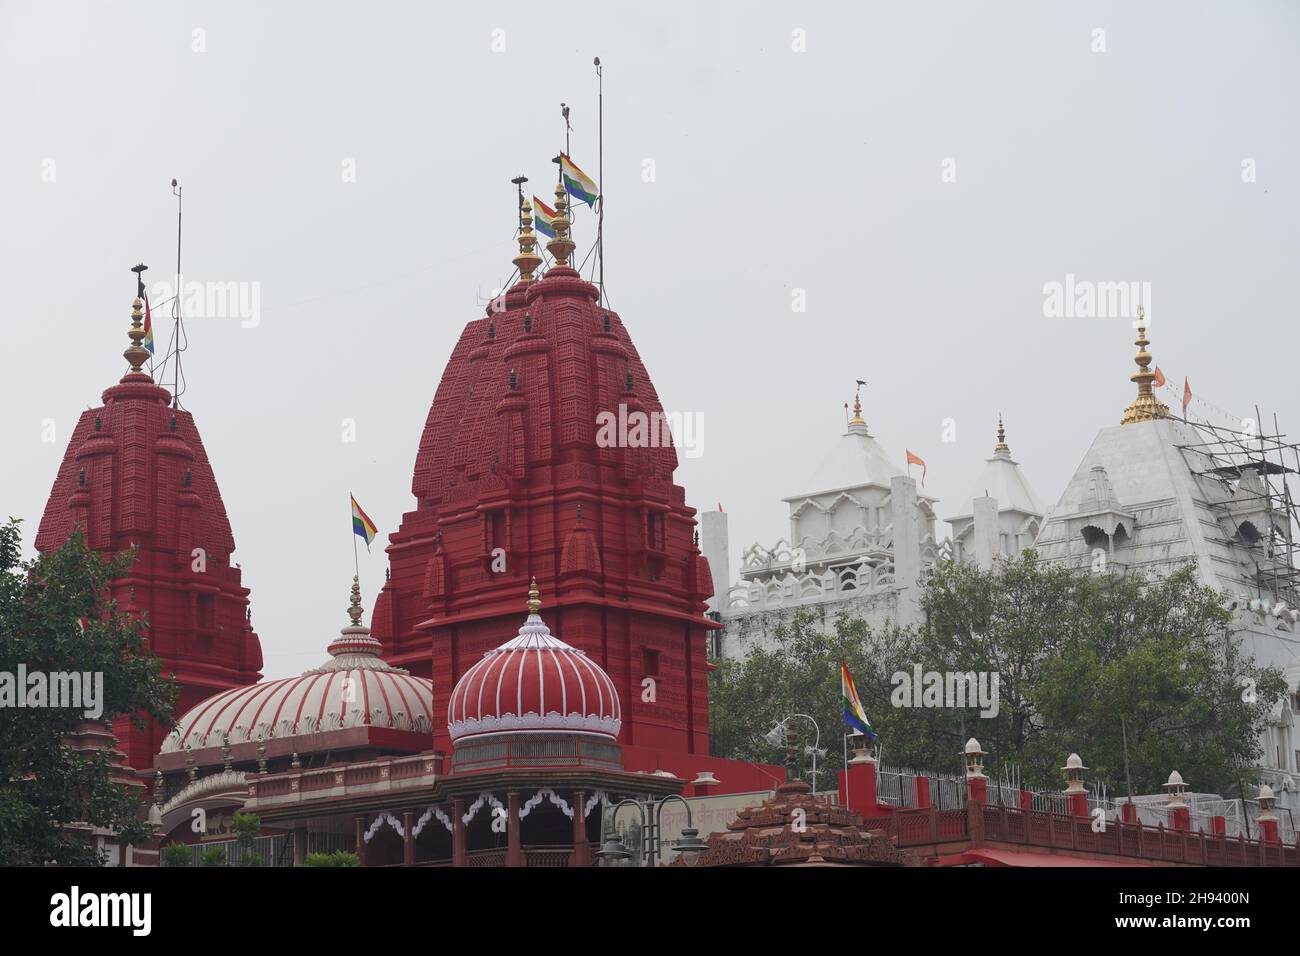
[534, 682]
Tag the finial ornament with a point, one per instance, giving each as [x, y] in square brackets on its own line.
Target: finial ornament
[136, 353]
[355, 611]
[1146, 407]
[1002, 438]
[857, 418]
[534, 597]
[561, 247]
[528, 259]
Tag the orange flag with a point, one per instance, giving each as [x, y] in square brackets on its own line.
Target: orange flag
[1187, 396]
[917, 460]
[1160, 378]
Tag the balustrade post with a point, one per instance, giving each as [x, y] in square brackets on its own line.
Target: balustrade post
[514, 850]
[408, 839]
[299, 846]
[458, 841]
[581, 855]
[361, 839]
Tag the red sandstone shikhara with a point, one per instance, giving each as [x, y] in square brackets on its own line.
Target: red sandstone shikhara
[451, 733]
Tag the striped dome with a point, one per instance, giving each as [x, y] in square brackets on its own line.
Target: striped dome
[534, 682]
[354, 689]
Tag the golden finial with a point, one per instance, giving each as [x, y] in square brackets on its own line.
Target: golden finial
[534, 597]
[1002, 438]
[857, 418]
[355, 611]
[528, 260]
[1146, 407]
[136, 353]
[561, 247]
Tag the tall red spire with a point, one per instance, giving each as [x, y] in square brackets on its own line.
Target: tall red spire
[135, 475]
[510, 483]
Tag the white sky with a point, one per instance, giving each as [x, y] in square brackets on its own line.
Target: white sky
[776, 170]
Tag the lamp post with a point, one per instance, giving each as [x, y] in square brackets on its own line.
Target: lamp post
[613, 852]
[776, 737]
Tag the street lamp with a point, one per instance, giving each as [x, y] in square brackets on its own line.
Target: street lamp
[613, 852]
[776, 737]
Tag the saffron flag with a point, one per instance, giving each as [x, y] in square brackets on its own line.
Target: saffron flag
[361, 523]
[148, 325]
[1159, 379]
[543, 218]
[577, 183]
[854, 715]
[917, 460]
[1187, 396]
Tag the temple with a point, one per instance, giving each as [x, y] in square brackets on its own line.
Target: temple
[510, 482]
[1151, 494]
[467, 726]
[135, 478]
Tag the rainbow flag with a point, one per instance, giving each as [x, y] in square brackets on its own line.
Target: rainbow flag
[361, 523]
[578, 183]
[148, 326]
[854, 715]
[543, 218]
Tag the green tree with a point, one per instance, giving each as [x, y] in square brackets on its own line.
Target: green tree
[55, 617]
[800, 674]
[337, 858]
[177, 854]
[1085, 663]
[247, 827]
[213, 856]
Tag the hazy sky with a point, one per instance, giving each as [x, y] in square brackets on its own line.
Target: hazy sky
[775, 169]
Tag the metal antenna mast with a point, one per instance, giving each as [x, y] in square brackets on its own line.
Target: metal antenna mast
[176, 302]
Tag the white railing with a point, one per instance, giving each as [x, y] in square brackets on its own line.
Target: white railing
[790, 589]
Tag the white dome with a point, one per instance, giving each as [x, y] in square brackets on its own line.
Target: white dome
[856, 459]
[354, 689]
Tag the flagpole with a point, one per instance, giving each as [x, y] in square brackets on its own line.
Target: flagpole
[356, 561]
[600, 171]
[845, 741]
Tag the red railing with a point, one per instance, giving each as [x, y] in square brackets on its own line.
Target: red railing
[1057, 831]
[1041, 828]
[917, 827]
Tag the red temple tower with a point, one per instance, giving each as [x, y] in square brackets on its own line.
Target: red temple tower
[511, 481]
[135, 477]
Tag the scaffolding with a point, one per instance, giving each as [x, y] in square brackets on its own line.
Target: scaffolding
[1256, 506]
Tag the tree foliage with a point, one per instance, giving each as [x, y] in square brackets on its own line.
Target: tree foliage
[55, 618]
[337, 858]
[1086, 663]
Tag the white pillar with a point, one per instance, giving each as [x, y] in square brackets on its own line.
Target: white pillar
[985, 537]
[714, 545]
[907, 548]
